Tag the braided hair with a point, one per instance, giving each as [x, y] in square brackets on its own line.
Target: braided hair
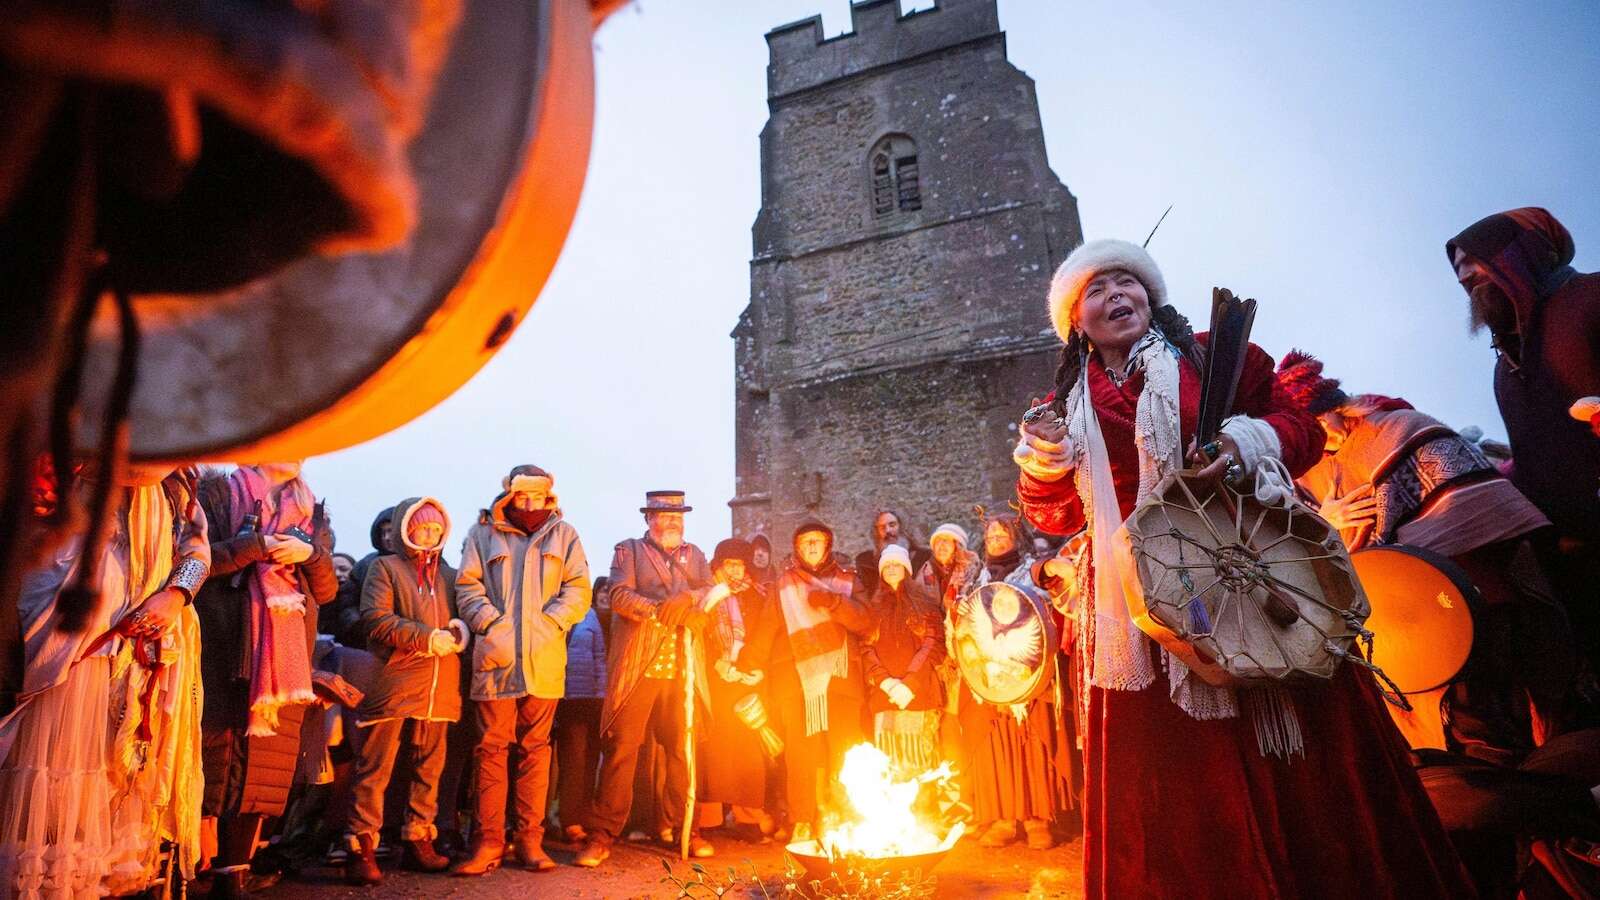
[1174, 326]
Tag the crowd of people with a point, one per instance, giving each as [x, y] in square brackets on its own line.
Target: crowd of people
[248, 701]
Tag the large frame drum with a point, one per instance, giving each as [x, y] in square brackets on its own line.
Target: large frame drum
[1005, 640]
[1242, 591]
[1422, 627]
[330, 351]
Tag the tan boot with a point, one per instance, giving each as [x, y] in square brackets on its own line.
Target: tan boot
[529, 850]
[1039, 836]
[484, 858]
[1000, 834]
[597, 851]
[421, 856]
[361, 868]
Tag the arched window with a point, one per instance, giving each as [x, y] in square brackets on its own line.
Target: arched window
[895, 183]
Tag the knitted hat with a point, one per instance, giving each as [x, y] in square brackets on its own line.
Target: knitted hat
[894, 554]
[732, 548]
[950, 529]
[425, 511]
[1089, 260]
[1300, 373]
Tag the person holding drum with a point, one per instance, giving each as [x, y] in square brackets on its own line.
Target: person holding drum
[1392, 475]
[1182, 796]
[1018, 754]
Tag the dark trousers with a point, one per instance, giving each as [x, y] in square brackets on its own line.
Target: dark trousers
[527, 722]
[654, 707]
[577, 756]
[375, 767]
[1517, 689]
[811, 762]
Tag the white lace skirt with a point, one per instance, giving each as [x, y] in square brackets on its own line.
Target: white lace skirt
[55, 791]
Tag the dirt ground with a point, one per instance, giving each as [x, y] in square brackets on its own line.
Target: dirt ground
[635, 870]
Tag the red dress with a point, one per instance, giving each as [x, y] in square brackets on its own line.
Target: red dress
[1178, 807]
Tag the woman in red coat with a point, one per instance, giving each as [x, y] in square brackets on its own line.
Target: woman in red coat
[1181, 799]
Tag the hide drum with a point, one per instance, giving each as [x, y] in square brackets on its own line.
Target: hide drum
[1004, 639]
[329, 351]
[1421, 619]
[1243, 592]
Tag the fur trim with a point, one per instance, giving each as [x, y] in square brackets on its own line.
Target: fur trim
[1090, 259]
[409, 509]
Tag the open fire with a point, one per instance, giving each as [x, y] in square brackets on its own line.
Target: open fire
[890, 816]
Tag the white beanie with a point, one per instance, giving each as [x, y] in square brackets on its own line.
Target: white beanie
[894, 553]
[1090, 259]
[951, 529]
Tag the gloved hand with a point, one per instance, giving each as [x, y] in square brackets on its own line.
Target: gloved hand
[726, 671]
[898, 693]
[674, 611]
[823, 599]
[462, 633]
[752, 678]
[442, 643]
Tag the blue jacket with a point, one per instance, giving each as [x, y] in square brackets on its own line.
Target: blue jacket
[586, 659]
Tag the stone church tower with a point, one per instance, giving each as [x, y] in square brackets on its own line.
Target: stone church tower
[909, 226]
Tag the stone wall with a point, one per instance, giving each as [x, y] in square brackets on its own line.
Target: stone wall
[883, 359]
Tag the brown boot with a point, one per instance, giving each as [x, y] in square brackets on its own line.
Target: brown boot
[529, 849]
[361, 868]
[596, 851]
[420, 856]
[485, 858]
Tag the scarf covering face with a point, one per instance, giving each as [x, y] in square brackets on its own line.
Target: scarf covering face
[280, 670]
[1115, 653]
[820, 645]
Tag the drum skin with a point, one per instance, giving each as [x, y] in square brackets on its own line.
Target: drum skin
[1195, 557]
[1421, 618]
[1004, 639]
[331, 351]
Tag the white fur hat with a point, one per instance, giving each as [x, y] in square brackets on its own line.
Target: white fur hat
[950, 529]
[894, 553]
[1090, 259]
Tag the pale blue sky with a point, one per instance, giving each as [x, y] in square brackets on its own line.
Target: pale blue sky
[1318, 156]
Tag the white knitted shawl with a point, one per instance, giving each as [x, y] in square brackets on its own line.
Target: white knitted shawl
[1116, 653]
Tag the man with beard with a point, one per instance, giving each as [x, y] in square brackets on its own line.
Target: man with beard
[1545, 322]
[812, 656]
[888, 528]
[660, 586]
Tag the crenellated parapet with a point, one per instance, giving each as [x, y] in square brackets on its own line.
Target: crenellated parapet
[800, 58]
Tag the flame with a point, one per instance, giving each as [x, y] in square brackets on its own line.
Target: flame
[886, 823]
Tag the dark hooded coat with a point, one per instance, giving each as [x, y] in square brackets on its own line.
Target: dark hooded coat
[401, 605]
[342, 617]
[1551, 360]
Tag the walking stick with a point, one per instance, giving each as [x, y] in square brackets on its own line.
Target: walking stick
[688, 735]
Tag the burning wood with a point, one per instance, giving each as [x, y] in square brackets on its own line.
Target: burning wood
[890, 827]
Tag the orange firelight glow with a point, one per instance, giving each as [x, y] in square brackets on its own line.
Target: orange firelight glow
[886, 822]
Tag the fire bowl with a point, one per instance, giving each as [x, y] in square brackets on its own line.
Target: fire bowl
[809, 856]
